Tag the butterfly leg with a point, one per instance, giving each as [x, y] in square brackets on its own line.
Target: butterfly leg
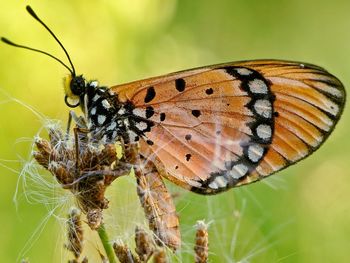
[157, 204]
[76, 132]
[78, 120]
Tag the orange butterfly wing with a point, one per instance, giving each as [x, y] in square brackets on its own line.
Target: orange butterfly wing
[231, 124]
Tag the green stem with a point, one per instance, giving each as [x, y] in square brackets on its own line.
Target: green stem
[106, 244]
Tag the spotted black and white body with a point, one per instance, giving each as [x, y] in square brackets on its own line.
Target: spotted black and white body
[213, 128]
[110, 120]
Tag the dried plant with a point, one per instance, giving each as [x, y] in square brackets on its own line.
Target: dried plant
[201, 243]
[144, 244]
[75, 233]
[145, 249]
[123, 253]
[86, 169]
[160, 256]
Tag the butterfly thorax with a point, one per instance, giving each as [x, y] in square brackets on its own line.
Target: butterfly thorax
[110, 119]
[106, 117]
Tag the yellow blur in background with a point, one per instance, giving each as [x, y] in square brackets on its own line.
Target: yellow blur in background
[301, 214]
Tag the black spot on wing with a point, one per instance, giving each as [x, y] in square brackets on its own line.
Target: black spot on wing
[180, 84]
[149, 142]
[196, 113]
[209, 91]
[151, 93]
[149, 112]
[188, 137]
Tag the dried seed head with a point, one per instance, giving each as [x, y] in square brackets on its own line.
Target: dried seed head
[123, 253]
[201, 243]
[75, 233]
[144, 244]
[159, 256]
[94, 218]
[84, 167]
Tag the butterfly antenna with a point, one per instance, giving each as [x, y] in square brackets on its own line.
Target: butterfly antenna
[8, 42]
[32, 13]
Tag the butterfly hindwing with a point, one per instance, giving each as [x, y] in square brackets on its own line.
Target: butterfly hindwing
[220, 126]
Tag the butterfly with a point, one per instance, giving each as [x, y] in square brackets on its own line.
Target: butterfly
[212, 128]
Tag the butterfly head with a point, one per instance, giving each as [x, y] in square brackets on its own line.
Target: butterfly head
[75, 86]
[75, 89]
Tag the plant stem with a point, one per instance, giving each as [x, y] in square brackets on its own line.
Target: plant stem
[106, 244]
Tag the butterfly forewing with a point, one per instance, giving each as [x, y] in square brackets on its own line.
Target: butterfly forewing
[221, 126]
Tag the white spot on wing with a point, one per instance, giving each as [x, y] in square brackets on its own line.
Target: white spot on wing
[334, 91]
[264, 131]
[244, 71]
[213, 185]
[96, 97]
[221, 181]
[257, 86]
[332, 107]
[141, 125]
[238, 171]
[255, 152]
[139, 112]
[263, 108]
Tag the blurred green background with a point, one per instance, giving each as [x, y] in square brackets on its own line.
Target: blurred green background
[301, 214]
